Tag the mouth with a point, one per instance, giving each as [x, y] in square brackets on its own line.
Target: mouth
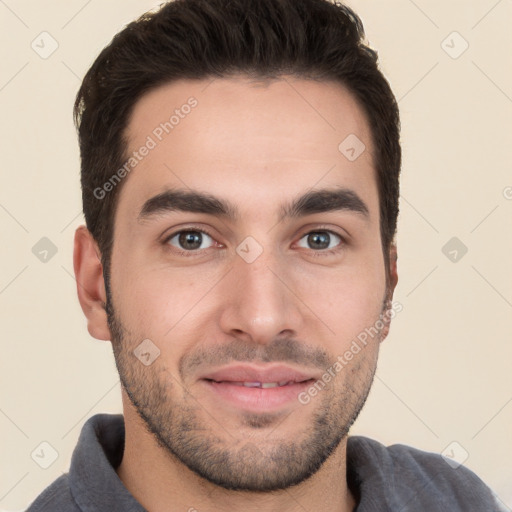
[261, 385]
[257, 389]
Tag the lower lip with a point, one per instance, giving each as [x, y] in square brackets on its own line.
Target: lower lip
[257, 399]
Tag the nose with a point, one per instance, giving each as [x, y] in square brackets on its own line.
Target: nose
[258, 301]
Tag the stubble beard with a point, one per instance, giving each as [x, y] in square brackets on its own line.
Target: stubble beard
[192, 436]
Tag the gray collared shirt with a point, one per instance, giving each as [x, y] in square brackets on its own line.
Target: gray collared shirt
[395, 479]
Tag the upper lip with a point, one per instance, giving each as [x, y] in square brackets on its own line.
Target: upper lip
[252, 373]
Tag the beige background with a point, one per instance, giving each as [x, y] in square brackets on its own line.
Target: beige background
[445, 370]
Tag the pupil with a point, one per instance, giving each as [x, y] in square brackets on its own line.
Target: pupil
[190, 240]
[321, 240]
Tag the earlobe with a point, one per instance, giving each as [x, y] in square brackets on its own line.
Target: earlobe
[90, 283]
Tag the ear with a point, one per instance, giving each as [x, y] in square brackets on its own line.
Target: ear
[90, 283]
[392, 282]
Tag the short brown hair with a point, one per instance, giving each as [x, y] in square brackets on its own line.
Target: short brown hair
[198, 39]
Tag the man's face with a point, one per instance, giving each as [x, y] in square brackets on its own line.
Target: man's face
[248, 310]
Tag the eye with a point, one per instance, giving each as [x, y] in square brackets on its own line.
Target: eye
[320, 240]
[190, 240]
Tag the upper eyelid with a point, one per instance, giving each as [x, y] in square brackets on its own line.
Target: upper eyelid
[203, 230]
[166, 238]
[323, 231]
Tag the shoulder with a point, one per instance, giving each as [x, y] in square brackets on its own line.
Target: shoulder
[55, 498]
[411, 478]
[99, 448]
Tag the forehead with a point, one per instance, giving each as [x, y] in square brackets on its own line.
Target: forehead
[250, 141]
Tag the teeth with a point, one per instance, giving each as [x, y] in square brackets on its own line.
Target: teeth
[262, 385]
[252, 384]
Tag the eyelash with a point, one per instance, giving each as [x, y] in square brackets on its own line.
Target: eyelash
[197, 253]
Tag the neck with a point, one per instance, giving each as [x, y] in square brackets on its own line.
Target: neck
[160, 482]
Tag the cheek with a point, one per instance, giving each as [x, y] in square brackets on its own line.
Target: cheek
[347, 299]
[352, 315]
[156, 302]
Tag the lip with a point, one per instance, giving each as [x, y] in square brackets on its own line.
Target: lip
[253, 373]
[225, 385]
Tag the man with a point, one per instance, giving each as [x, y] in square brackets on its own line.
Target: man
[240, 164]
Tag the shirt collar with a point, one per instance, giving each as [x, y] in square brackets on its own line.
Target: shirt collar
[93, 480]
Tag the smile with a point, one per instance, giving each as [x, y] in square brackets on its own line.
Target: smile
[264, 385]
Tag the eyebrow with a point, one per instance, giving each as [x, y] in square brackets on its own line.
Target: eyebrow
[314, 201]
